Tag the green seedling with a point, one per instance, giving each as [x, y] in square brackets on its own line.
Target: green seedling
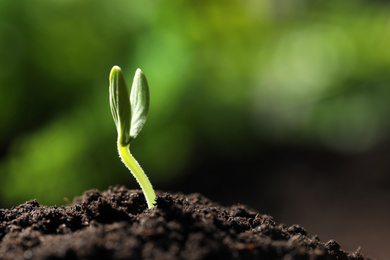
[129, 113]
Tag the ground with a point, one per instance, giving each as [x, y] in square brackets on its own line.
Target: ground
[116, 224]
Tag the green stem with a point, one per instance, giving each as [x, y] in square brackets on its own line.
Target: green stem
[138, 173]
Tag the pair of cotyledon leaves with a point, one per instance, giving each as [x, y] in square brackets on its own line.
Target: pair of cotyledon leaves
[129, 113]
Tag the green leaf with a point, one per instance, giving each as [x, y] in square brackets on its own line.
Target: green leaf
[139, 101]
[120, 105]
[129, 111]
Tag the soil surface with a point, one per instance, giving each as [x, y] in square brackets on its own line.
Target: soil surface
[116, 224]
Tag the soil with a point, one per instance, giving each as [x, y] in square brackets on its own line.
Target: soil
[116, 224]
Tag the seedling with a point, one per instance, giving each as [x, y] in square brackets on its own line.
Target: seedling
[129, 113]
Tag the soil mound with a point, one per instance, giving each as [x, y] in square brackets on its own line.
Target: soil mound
[116, 224]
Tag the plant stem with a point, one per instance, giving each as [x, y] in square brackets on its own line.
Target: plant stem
[138, 173]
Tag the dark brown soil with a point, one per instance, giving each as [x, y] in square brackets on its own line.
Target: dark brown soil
[116, 224]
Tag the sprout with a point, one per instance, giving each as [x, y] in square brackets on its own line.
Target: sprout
[129, 116]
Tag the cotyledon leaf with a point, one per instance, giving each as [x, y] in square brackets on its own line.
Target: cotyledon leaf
[139, 102]
[120, 105]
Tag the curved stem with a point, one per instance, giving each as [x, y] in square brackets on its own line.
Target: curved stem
[138, 173]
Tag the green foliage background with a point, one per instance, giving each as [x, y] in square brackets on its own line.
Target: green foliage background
[230, 73]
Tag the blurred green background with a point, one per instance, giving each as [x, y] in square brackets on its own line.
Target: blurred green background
[281, 105]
